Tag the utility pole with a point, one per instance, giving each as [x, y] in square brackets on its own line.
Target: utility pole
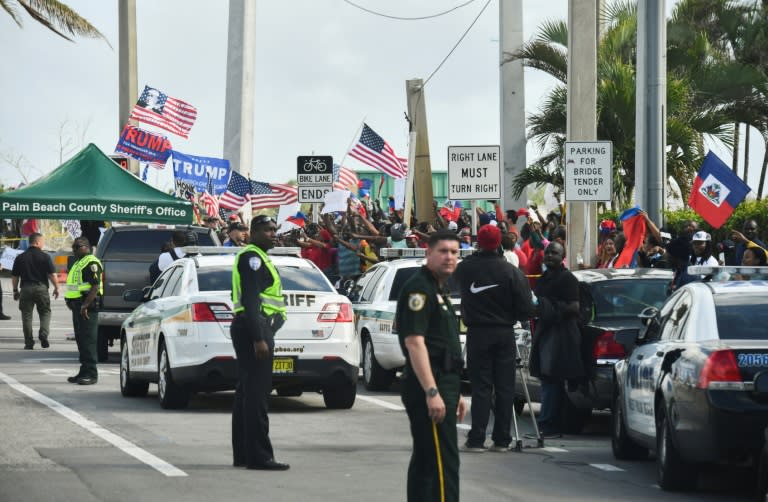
[651, 103]
[582, 117]
[512, 100]
[128, 84]
[240, 91]
[422, 168]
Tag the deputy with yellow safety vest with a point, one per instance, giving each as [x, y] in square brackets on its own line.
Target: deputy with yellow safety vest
[83, 296]
[257, 296]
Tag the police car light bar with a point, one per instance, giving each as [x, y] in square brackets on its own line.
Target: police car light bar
[729, 272]
[206, 250]
[392, 253]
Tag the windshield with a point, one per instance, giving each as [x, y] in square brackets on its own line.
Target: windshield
[742, 317]
[293, 279]
[618, 299]
[402, 275]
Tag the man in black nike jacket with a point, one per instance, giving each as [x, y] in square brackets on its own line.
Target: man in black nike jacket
[494, 296]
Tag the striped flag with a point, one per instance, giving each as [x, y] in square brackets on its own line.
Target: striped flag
[343, 178]
[371, 149]
[209, 200]
[272, 195]
[160, 110]
[237, 193]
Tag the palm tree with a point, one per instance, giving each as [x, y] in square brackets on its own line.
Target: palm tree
[698, 99]
[55, 16]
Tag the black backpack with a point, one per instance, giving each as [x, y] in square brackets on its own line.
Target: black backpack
[154, 268]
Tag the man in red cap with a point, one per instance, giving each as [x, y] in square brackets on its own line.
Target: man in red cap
[494, 296]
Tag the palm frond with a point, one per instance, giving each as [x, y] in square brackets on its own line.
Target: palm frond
[11, 10]
[61, 19]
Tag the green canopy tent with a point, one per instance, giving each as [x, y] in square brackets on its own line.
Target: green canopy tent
[90, 186]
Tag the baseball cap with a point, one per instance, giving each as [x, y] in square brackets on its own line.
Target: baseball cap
[452, 226]
[236, 226]
[489, 237]
[701, 236]
[522, 212]
[607, 226]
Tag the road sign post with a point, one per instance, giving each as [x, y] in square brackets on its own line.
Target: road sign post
[315, 177]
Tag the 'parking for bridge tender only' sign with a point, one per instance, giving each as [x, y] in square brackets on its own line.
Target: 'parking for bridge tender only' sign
[474, 172]
[588, 171]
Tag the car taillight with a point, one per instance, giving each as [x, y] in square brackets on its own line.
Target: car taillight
[336, 312]
[606, 347]
[721, 372]
[211, 312]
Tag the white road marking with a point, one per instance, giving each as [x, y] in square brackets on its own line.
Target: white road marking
[607, 467]
[34, 360]
[555, 450]
[122, 444]
[381, 402]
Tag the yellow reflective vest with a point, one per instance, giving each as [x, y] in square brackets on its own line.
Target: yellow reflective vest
[76, 288]
[272, 301]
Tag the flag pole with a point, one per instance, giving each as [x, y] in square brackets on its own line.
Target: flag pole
[354, 140]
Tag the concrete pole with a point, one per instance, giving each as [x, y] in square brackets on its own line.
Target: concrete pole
[408, 202]
[651, 102]
[512, 100]
[240, 90]
[582, 118]
[128, 85]
[422, 168]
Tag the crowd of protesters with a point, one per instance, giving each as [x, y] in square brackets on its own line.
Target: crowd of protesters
[344, 245]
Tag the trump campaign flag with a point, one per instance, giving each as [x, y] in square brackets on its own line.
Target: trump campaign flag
[716, 191]
[205, 173]
[158, 109]
[144, 146]
[633, 222]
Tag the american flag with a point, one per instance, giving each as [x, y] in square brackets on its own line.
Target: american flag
[209, 200]
[272, 195]
[237, 193]
[159, 109]
[371, 149]
[343, 178]
[189, 194]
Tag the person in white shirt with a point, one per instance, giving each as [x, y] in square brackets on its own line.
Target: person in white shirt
[702, 249]
[178, 241]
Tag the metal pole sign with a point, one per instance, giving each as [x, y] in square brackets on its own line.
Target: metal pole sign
[588, 171]
[315, 177]
[474, 172]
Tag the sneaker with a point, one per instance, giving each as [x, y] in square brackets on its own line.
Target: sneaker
[73, 379]
[499, 448]
[474, 447]
[44, 343]
[4, 317]
[87, 380]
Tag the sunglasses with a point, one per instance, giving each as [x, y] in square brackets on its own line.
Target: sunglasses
[263, 218]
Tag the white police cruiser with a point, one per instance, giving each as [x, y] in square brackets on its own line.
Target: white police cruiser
[694, 385]
[178, 337]
[374, 300]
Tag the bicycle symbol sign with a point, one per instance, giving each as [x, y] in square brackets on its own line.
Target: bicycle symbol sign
[314, 164]
[315, 177]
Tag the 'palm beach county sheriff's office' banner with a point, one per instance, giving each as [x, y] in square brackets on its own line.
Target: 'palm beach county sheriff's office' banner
[196, 171]
[155, 212]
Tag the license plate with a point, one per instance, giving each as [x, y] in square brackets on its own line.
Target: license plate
[283, 366]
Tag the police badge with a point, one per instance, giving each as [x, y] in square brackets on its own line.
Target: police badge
[416, 301]
[94, 268]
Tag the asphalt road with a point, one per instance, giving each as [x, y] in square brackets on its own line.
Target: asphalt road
[65, 442]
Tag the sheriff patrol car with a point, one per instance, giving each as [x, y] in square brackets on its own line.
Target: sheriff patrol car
[374, 301]
[694, 385]
[179, 338]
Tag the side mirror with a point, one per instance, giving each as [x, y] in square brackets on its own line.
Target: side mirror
[647, 314]
[133, 295]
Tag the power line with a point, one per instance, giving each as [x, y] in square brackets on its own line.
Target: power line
[457, 43]
[399, 18]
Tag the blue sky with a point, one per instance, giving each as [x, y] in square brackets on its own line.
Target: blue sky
[322, 68]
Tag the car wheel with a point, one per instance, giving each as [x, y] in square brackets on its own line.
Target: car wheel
[128, 387]
[671, 471]
[374, 376]
[624, 448]
[339, 393]
[172, 396]
[573, 419]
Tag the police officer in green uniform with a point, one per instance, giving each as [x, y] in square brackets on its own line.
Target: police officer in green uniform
[83, 296]
[259, 305]
[429, 336]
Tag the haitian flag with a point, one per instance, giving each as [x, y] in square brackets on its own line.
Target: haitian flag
[633, 224]
[716, 191]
